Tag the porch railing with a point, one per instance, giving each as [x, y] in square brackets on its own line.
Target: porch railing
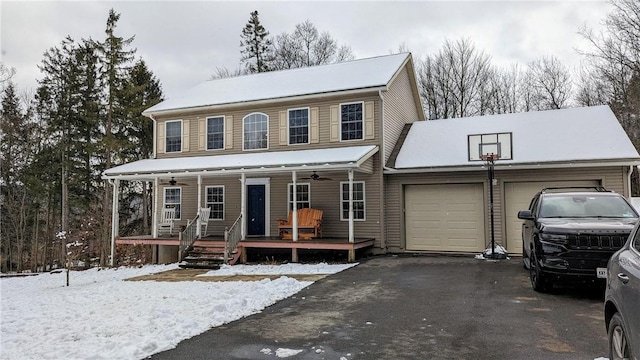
[232, 237]
[188, 236]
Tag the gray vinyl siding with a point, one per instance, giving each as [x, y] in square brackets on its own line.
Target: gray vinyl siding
[273, 111]
[399, 109]
[613, 178]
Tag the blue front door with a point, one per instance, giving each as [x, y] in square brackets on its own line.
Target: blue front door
[255, 209]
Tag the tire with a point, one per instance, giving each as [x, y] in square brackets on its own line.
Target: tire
[539, 281]
[618, 345]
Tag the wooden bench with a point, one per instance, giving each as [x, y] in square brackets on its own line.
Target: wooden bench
[309, 224]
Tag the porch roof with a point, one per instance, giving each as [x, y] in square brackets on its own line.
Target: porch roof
[350, 157]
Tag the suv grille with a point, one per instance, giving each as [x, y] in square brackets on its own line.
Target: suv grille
[596, 242]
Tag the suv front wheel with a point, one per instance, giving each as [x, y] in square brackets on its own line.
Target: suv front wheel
[538, 278]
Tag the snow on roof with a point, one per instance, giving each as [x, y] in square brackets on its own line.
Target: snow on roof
[577, 134]
[350, 75]
[348, 156]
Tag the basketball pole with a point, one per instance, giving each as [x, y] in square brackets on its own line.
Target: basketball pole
[490, 159]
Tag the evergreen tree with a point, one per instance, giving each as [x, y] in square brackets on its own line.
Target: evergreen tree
[256, 46]
[115, 56]
[143, 90]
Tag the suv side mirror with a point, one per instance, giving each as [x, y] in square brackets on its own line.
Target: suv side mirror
[525, 215]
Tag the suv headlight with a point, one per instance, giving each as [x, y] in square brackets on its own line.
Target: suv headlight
[558, 238]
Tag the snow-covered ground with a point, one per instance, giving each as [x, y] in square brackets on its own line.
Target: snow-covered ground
[101, 316]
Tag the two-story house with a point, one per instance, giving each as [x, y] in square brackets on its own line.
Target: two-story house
[349, 139]
[252, 148]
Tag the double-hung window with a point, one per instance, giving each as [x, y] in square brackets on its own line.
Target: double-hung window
[173, 137]
[299, 126]
[351, 121]
[303, 196]
[358, 200]
[255, 131]
[172, 199]
[215, 201]
[215, 133]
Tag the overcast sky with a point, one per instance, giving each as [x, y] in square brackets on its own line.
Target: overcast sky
[184, 42]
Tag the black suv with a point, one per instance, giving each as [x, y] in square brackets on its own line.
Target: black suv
[570, 233]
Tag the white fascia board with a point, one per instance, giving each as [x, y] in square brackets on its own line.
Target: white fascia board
[530, 166]
[265, 101]
[270, 170]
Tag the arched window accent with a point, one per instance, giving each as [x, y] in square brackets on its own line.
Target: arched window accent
[255, 130]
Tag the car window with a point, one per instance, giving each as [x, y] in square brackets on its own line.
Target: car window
[581, 205]
[636, 240]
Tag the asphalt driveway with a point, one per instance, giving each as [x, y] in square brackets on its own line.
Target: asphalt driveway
[415, 308]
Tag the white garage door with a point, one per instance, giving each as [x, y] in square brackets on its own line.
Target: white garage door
[517, 197]
[444, 217]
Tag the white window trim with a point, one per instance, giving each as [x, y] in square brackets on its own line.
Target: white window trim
[224, 197]
[166, 138]
[364, 200]
[340, 120]
[289, 188]
[308, 126]
[164, 199]
[206, 132]
[243, 141]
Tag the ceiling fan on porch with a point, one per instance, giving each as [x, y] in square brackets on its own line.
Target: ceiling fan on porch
[315, 177]
[172, 182]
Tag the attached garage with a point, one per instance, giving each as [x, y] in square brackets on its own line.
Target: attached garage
[517, 196]
[436, 192]
[447, 217]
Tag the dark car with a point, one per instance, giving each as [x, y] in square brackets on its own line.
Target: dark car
[622, 300]
[569, 234]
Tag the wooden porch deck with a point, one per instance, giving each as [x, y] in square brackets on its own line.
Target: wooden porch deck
[262, 242]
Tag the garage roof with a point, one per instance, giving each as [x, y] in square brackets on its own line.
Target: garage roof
[584, 134]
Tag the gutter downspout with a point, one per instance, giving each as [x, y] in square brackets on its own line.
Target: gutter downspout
[629, 181]
[383, 194]
[155, 125]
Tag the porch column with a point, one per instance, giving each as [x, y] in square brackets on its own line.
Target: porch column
[198, 234]
[243, 206]
[154, 217]
[114, 221]
[294, 217]
[351, 236]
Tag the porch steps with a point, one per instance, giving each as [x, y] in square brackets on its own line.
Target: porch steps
[208, 257]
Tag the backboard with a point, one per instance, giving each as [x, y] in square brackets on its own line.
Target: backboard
[498, 145]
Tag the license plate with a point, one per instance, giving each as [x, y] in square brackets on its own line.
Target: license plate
[601, 273]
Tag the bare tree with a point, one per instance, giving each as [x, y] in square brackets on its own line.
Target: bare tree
[454, 81]
[223, 72]
[307, 46]
[615, 67]
[591, 90]
[6, 73]
[550, 83]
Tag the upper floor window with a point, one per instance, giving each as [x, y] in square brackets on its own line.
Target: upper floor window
[215, 201]
[358, 200]
[215, 133]
[351, 121]
[299, 126]
[173, 136]
[172, 199]
[303, 196]
[255, 130]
